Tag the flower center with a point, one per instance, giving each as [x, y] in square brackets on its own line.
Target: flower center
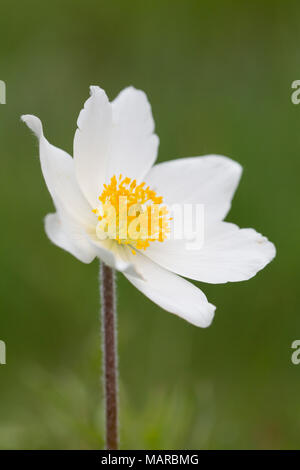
[131, 214]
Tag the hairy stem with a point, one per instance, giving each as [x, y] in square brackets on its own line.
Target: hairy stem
[110, 361]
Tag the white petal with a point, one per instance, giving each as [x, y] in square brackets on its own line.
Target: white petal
[91, 143]
[70, 237]
[210, 180]
[58, 170]
[133, 143]
[229, 254]
[114, 255]
[172, 293]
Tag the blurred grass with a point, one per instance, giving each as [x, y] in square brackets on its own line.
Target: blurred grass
[218, 75]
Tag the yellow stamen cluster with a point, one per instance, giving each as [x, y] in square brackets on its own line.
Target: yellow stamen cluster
[144, 218]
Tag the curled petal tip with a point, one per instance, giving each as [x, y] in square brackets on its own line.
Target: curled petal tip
[94, 89]
[207, 321]
[34, 124]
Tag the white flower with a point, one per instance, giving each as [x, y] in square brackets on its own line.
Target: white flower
[118, 138]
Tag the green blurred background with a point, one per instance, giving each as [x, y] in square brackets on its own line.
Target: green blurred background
[218, 75]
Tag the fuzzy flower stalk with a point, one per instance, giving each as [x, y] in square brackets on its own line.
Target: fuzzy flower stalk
[114, 204]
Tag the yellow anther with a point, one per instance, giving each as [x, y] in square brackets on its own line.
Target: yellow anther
[134, 223]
